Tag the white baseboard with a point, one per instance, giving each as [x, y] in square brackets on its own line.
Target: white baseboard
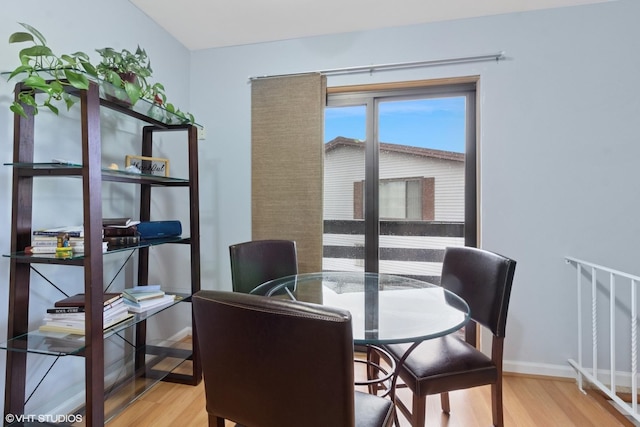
[542, 369]
[181, 334]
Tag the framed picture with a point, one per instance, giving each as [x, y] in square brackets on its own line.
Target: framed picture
[148, 165]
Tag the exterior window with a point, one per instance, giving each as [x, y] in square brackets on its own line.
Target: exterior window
[400, 198]
[386, 147]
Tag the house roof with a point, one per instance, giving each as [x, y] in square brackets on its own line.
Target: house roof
[341, 141]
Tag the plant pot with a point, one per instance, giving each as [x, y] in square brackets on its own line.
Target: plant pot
[117, 94]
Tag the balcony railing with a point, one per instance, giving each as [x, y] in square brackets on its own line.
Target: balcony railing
[607, 309]
[408, 248]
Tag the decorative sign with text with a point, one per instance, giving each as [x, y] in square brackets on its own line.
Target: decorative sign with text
[148, 165]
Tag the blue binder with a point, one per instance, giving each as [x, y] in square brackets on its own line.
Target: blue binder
[159, 229]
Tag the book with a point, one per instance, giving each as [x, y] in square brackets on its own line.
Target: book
[64, 343]
[81, 309]
[72, 231]
[118, 222]
[53, 241]
[60, 317]
[48, 239]
[150, 304]
[114, 241]
[140, 294]
[79, 318]
[78, 300]
[144, 288]
[49, 249]
[40, 249]
[114, 231]
[75, 329]
[80, 248]
[66, 310]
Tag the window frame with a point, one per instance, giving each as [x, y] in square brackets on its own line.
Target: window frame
[370, 96]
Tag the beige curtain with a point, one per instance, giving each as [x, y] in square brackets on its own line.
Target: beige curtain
[287, 151]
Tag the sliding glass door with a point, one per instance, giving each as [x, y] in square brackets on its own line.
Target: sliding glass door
[399, 179]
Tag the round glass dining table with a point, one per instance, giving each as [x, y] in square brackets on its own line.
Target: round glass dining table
[385, 309]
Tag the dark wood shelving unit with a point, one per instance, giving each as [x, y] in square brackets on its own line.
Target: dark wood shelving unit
[21, 341]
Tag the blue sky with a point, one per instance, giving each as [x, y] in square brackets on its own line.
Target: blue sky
[430, 123]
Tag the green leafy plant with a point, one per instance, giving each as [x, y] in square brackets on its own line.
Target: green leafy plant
[41, 70]
[156, 94]
[126, 70]
[182, 116]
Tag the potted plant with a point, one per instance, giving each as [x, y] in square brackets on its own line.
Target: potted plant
[128, 74]
[126, 71]
[41, 70]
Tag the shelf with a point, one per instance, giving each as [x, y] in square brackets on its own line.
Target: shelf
[139, 110]
[162, 360]
[116, 365]
[125, 381]
[75, 170]
[62, 344]
[78, 258]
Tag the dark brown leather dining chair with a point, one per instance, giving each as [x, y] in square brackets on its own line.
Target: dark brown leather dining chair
[258, 261]
[269, 362]
[483, 279]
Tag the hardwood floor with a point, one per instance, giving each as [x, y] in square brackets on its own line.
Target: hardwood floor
[528, 402]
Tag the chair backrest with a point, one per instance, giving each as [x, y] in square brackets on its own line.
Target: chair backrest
[260, 360]
[483, 279]
[258, 261]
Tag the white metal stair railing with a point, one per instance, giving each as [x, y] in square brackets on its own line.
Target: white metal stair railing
[612, 291]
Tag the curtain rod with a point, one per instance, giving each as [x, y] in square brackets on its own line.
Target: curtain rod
[394, 66]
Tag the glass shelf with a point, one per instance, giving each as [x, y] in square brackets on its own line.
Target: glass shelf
[78, 258]
[125, 381]
[116, 99]
[162, 360]
[73, 169]
[64, 344]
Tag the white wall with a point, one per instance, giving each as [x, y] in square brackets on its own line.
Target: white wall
[558, 144]
[69, 26]
[558, 147]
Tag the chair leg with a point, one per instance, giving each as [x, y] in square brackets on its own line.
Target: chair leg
[215, 421]
[372, 357]
[444, 402]
[496, 404]
[419, 411]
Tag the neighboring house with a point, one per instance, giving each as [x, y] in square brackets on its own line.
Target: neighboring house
[416, 184]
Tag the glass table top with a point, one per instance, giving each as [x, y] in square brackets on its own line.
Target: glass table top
[385, 309]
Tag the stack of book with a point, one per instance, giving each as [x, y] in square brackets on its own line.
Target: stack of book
[61, 342]
[45, 241]
[68, 314]
[120, 232]
[143, 298]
